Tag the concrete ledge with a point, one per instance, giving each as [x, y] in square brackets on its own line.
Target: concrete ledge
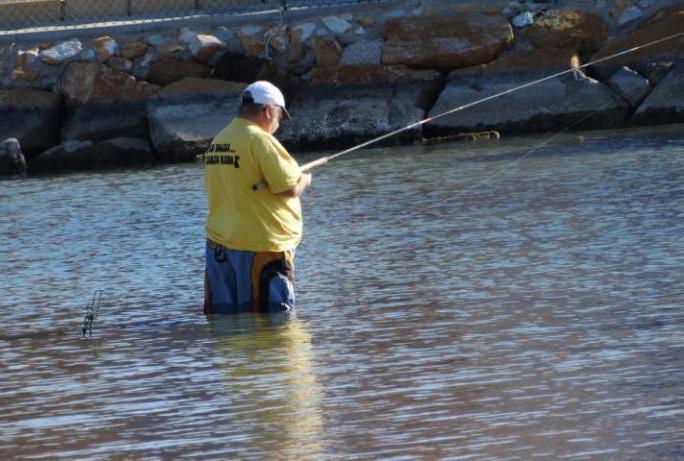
[141, 7]
[30, 12]
[87, 9]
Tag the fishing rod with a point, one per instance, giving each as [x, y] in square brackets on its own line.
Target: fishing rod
[323, 160]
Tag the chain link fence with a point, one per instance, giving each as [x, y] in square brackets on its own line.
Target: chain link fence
[55, 14]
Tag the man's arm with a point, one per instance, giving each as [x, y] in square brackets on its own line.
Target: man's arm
[301, 186]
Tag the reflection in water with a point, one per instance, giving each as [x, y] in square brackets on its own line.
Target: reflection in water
[269, 375]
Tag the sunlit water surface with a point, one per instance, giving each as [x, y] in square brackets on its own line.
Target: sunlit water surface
[454, 301]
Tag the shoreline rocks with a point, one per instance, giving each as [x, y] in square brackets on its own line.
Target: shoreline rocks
[347, 78]
[186, 115]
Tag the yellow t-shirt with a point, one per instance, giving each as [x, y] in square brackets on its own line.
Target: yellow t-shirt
[240, 218]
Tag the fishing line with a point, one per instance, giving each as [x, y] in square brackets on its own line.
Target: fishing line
[502, 170]
[324, 160]
[527, 153]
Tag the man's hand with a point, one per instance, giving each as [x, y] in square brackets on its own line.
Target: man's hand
[296, 191]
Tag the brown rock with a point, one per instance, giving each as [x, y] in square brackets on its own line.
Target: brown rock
[203, 47]
[570, 29]
[103, 103]
[278, 38]
[24, 74]
[169, 48]
[546, 59]
[365, 75]
[250, 39]
[296, 46]
[192, 86]
[133, 50]
[120, 63]
[251, 44]
[169, 70]
[663, 25]
[25, 66]
[105, 47]
[78, 81]
[364, 21]
[328, 52]
[446, 42]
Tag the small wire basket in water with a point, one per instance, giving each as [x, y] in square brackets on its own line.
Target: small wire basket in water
[92, 310]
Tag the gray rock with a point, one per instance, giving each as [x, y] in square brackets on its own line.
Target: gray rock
[231, 39]
[336, 24]
[156, 40]
[181, 131]
[654, 70]
[523, 20]
[512, 9]
[98, 121]
[326, 117]
[630, 85]
[85, 155]
[562, 103]
[142, 68]
[31, 116]
[12, 160]
[394, 14]
[63, 52]
[628, 15]
[364, 52]
[665, 104]
[185, 116]
[304, 30]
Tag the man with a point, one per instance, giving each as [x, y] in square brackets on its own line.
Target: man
[252, 232]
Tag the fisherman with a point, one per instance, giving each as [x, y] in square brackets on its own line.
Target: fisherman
[252, 232]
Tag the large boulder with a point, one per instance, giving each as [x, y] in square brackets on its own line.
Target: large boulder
[346, 105]
[186, 115]
[364, 52]
[665, 104]
[571, 101]
[168, 70]
[134, 49]
[567, 29]
[23, 68]
[105, 47]
[446, 42]
[63, 52]
[653, 61]
[203, 46]
[12, 161]
[630, 85]
[31, 116]
[86, 155]
[103, 103]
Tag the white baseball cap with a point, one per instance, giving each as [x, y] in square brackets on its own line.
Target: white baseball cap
[263, 92]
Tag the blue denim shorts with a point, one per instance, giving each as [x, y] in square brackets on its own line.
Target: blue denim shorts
[246, 281]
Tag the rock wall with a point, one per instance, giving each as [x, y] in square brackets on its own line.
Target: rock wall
[94, 101]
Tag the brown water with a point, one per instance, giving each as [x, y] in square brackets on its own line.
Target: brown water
[454, 301]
